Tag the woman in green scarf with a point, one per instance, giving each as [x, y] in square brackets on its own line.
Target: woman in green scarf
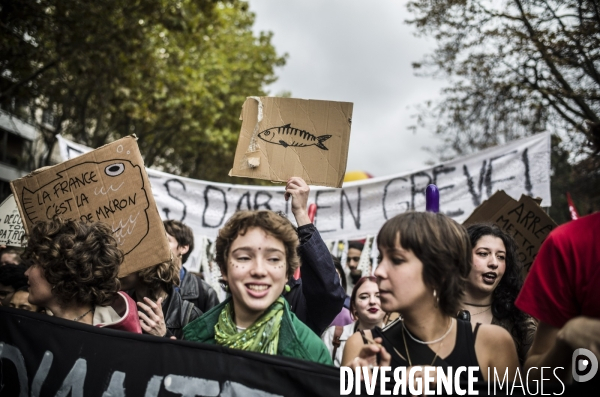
[256, 252]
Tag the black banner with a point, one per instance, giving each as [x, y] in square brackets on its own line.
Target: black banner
[46, 356]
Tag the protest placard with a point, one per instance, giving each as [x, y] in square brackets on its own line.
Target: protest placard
[360, 208]
[524, 220]
[11, 227]
[285, 137]
[107, 185]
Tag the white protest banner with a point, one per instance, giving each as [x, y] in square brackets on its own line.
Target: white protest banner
[359, 208]
[11, 227]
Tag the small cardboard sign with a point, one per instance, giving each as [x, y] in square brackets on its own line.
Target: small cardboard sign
[285, 137]
[107, 185]
[11, 227]
[524, 220]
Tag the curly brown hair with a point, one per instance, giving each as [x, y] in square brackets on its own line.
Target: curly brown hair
[79, 260]
[161, 277]
[272, 223]
[441, 244]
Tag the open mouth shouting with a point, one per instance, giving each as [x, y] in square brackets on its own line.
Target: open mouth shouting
[489, 278]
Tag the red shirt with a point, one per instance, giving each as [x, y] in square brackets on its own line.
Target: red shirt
[564, 280]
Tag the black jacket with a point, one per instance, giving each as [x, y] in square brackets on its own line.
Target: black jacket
[178, 313]
[197, 291]
[318, 296]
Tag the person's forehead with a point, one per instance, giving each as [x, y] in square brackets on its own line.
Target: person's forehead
[20, 296]
[7, 256]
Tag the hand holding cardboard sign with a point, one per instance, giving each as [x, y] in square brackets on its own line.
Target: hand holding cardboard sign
[298, 190]
[154, 321]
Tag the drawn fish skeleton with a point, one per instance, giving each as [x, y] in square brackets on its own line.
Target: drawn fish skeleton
[286, 136]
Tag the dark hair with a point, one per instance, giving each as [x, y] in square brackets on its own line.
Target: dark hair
[441, 244]
[13, 276]
[356, 245]
[273, 224]
[507, 290]
[79, 260]
[159, 277]
[360, 282]
[340, 269]
[183, 234]
[13, 250]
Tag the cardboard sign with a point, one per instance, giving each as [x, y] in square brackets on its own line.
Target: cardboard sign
[524, 220]
[11, 227]
[284, 137]
[107, 185]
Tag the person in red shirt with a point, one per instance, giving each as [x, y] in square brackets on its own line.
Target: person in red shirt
[562, 291]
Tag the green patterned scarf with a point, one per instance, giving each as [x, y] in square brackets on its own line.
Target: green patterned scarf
[261, 337]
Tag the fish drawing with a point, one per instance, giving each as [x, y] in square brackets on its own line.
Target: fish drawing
[286, 135]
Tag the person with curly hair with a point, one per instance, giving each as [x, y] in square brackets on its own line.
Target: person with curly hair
[494, 284]
[72, 272]
[163, 310]
[256, 252]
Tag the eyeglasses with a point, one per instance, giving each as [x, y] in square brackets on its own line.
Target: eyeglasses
[353, 258]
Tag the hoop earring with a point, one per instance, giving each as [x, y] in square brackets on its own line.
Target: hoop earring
[436, 299]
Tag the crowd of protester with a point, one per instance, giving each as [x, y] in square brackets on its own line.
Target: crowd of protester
[440, 294]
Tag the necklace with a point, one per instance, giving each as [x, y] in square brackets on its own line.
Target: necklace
[82, 316]
[408, 353]
[483, 311]
[427, 342]
[476, 305]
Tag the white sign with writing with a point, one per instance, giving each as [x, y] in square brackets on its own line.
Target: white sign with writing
[360, 208]
[11, 227]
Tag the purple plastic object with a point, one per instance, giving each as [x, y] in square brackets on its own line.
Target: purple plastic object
[432, 198]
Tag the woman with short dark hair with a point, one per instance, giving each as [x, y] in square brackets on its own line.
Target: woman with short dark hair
[424, 262]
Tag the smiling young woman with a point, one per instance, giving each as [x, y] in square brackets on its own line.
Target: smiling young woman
[256, 252]
[365, 308]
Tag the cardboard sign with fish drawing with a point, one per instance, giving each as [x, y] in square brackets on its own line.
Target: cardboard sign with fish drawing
[285, 137]
[107, 185]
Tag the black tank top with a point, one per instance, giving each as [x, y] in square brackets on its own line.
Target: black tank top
[463, 353]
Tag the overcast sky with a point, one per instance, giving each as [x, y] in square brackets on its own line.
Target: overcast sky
[356, 51]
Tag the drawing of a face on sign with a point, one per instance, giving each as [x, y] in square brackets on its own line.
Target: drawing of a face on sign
[110, 191]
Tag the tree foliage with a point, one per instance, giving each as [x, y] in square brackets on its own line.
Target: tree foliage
[174, 72]
[516, 67]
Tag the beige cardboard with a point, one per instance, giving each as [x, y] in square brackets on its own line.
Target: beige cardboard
[524, 220]
[109, 185]
[295, 137]
[11, 227]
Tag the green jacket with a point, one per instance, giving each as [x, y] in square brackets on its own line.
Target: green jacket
[295, 338]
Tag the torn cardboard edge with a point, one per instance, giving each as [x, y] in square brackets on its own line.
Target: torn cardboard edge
[289, 140]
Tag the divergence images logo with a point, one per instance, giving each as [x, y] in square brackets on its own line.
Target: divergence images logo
[584, 365]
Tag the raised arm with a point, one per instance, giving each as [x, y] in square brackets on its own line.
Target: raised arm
[322, 295]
